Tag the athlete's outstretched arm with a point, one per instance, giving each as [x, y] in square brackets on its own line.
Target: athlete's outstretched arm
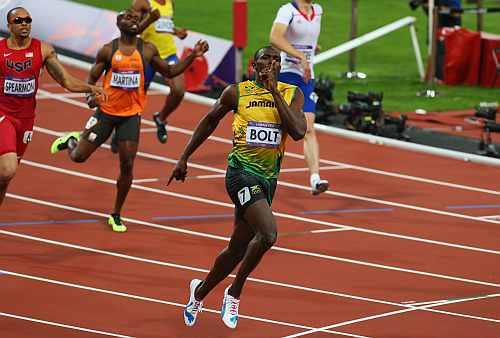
[61, 76]
[103, 58]
[170, 71]
[205, 128]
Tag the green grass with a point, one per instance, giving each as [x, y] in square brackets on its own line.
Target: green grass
[388, 61]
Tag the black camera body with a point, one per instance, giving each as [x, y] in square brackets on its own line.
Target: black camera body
[487, 110]
[360, 103]
[364, 113]
[324, 88]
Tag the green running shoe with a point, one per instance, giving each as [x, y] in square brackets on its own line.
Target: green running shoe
[61, 143]
[116, 223]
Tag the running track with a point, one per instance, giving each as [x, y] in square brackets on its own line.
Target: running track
[405, 245]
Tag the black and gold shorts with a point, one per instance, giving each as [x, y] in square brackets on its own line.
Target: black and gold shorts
[245, 188]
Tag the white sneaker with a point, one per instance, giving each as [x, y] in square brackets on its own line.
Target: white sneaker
[193, 306]
[319, 187]
[229, 311]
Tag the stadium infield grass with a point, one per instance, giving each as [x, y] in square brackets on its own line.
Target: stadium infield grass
[389, 61]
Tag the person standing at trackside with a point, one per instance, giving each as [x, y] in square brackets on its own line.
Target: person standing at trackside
[295, 32]
[21, 61]
[157, 27]
[265, 112]
[123, 60]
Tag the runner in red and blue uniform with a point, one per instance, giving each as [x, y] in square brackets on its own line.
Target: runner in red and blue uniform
[21, 60]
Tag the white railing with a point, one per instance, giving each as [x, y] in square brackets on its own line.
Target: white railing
[379, 32]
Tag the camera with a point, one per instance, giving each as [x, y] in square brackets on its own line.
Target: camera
[487, 110]
[324, 88]
[414, 4]
[364, 113]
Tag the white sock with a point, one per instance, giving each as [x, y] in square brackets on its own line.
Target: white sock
[314, 180]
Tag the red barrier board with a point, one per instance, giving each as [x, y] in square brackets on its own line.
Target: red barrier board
[488, 68]
[240, 25]
[462, 57]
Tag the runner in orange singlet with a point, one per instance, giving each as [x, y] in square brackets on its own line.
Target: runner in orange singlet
[124, 60]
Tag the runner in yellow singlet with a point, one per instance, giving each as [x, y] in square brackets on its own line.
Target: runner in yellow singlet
[265, 113]
[157, 27]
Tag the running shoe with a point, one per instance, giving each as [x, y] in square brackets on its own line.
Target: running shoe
[193, 306]
[61, 143]
[229, 310]
[320, 187]
[161, 130]
[116, 223]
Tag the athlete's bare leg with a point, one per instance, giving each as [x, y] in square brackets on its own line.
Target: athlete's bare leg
[260, 216]
[311, 155]
[127, 151]
[251, 239]
[177, 91]
[229, 258]
[80, 151]
[8, 168]
[311, 146]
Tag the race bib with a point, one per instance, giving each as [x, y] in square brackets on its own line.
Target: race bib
[91, 122]
[27, 137]
[306, 50]
[125, 80]
[19, 87]
[244, 195]
[165, 24]
[263, 134]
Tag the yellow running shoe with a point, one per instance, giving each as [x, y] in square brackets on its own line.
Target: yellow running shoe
[116, 223]
[61, 143]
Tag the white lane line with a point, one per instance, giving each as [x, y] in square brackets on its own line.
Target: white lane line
[160, 301]
[204, 177]
[330, 192]
[276, 213]
[252, 279]
[277, 248]
[43, 96]
[66, 326]
[415, 303]
[165, 179]
[326, 230]
[146, 180]
[148, 130]
[491, 217]
[392, 313]
[299, 156]
[308, 232]
[332, 167]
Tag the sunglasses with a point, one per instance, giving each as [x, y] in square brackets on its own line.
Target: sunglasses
[18, 20]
